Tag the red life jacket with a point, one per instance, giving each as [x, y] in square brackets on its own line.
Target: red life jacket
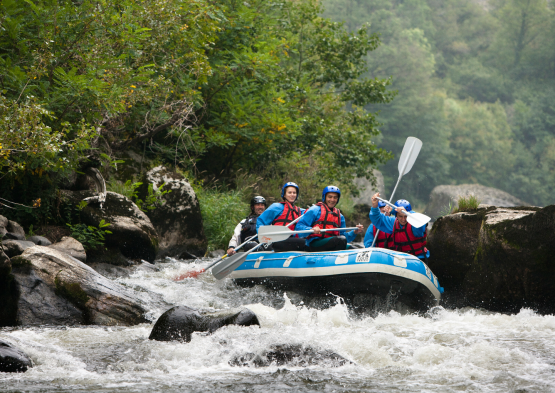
[289, 213]
[383, 240]
[328, 219]
[405, 241]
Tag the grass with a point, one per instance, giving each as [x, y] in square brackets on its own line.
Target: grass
[221, 211]
[467, 203]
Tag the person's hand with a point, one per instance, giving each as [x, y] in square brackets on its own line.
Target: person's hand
[230, 251]
[359, 229]
[375, 199]
[387, 209]
[401, 210]
[316, 230]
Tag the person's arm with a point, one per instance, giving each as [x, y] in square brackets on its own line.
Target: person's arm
[381, 221]
[369, 236]
[234, 242]
[349, 235]
[269, 215]
[307, 220]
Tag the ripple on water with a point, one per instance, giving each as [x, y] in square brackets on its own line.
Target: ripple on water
[445, 350]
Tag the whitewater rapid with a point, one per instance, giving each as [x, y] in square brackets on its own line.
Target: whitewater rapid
[442, 351]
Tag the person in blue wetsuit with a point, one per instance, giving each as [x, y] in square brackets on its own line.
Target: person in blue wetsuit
[324, 215]
[383, 238]
[404, 237]
[283, 213]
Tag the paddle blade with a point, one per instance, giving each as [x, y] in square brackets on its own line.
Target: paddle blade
[409, 154]
[418, 220]
[228, 265]
[193, 274]
[264, 237]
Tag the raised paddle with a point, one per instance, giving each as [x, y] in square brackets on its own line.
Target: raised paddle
[417, 220]
[406, 161]
[230, 261]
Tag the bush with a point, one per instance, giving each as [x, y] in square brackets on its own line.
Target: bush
[221, 211]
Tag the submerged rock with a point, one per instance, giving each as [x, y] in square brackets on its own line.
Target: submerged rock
[12, 360]
[71, 247]
[56, 289]
[441, 196]
[179, 323]
[291, 355]
[132, 231]
[13, 248]
[497, 258]
[178, 220]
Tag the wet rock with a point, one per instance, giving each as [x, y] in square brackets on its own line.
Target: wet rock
[39, 240]
[442, 195]
[13, 248]
[57, 289]
[179, 323]
[12, 360]
[366, 189]
[497, 258]
[16, 229]
[71, 247]
[290, 355]
[3, 225]
[132, 231]
[178, 221]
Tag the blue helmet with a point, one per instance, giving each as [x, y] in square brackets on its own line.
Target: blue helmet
[331, 189]
[290, 184]
[381, 204]
[404, 204]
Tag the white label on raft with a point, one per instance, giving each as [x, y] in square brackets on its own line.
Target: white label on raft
[342, 259]
[363, 257]
[257, 263]
[428, 271]
[399, 261]
[287, 262]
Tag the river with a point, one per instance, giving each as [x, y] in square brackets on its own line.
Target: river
[442, 351]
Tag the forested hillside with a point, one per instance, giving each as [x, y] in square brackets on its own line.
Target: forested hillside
[475, 81]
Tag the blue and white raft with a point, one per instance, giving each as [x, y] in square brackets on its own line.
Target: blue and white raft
[375, 271]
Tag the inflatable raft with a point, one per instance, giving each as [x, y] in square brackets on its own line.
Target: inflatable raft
[375, 271]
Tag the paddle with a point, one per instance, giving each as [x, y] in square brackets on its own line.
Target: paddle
[417, 220]
[406, 161]
[231, 261]
[275, 233]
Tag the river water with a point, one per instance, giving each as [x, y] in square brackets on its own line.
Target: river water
[442, 351]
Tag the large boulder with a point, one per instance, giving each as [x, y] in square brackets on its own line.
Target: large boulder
[441, 196]
[53, 288]
[290, 355]
[39, 240]
[178, 220]
[366, 189]
[132, 231]
[12, 360]
[179, 323]
[497, 258]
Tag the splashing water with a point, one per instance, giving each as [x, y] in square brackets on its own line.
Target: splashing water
[443, 351]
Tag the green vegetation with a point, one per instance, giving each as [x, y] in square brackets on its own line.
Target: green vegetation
[89, 236]
[466, 203]
[475, 82]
